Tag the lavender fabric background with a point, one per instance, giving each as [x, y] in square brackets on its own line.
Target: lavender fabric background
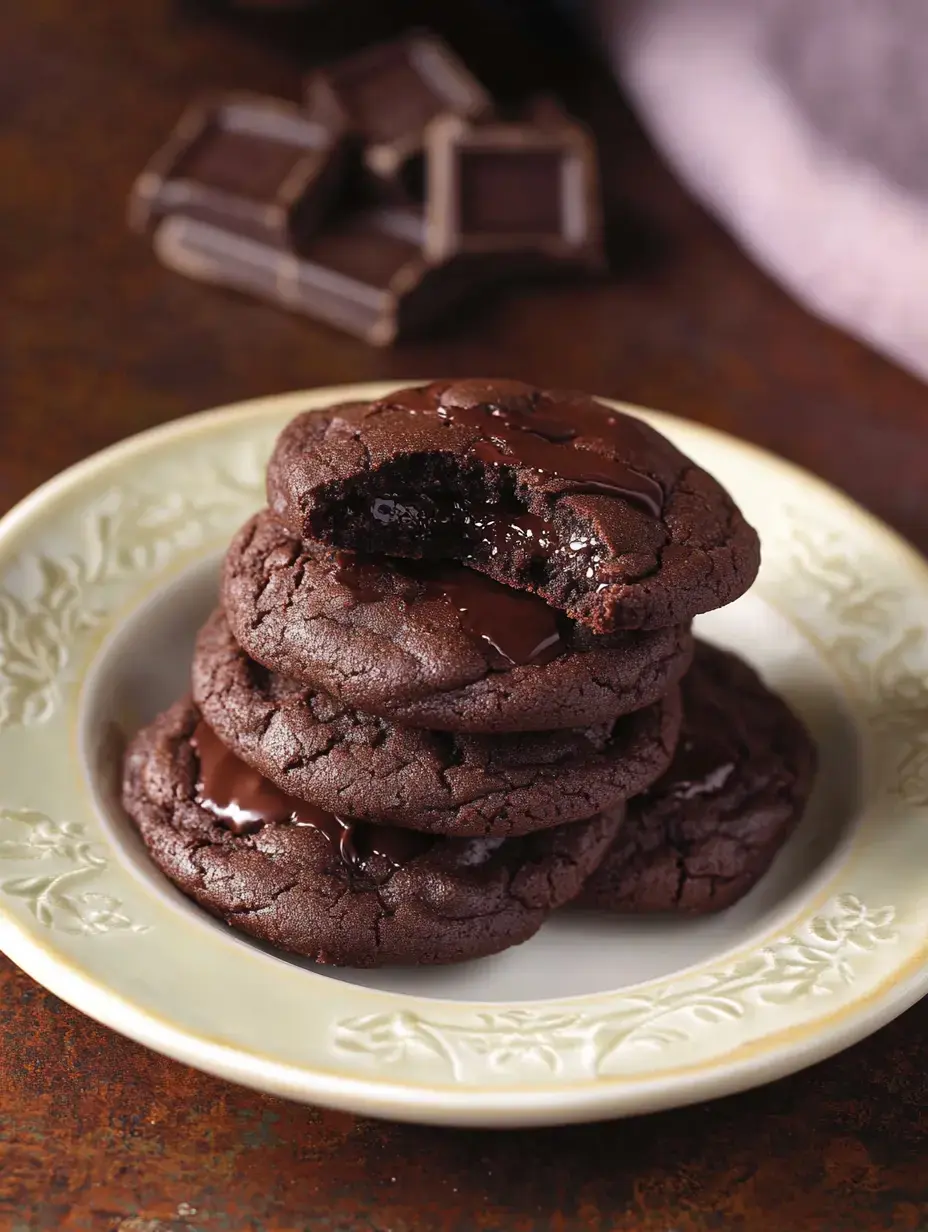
[803, 126]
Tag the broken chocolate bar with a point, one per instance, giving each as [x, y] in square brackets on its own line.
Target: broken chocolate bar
[387, 94]
[255, 164]
[365, 276]
[504, 187]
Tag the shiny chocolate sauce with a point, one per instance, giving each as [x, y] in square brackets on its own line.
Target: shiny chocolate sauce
[244, 800]
[519, 627]
[539, 434]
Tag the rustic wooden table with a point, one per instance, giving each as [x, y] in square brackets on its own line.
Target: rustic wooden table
[97, 1133]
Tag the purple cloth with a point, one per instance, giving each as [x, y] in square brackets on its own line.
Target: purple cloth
[803, 126]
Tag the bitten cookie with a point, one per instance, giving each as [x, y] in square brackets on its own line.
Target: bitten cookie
[549, 492]
[338, 892]
[434, 645]
[320, 750]
[707, 831]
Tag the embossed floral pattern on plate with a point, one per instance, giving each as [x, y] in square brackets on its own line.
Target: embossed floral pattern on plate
[813, 963]
[57, 898]
[127, 535]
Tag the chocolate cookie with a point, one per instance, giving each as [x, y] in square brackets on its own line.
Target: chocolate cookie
[338, 892]
[435, 646]
[706, 832]
[318, 749]
[549, 492]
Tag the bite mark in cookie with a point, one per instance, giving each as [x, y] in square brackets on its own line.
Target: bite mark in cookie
[547, 491]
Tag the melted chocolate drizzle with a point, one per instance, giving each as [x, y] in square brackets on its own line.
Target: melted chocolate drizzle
[243, 800]
[519, 627]
[519, 429]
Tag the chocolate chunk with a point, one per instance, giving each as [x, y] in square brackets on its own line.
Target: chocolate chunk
[516, 434]
[530, 186]
[365, 275]
[387, 94]
[256, 165]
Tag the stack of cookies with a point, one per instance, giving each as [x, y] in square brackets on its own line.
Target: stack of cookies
[442, 696]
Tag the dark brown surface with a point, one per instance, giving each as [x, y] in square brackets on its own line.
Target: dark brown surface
[99, 1134]
[439, 647]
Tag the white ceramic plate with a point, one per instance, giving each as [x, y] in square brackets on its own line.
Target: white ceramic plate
[105, 574]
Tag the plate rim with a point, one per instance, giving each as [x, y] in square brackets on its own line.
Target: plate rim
[460, 1103]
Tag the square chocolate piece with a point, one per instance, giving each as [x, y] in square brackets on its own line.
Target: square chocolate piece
[510, 187]
[255, 164]
[364, 275]
[387, 94]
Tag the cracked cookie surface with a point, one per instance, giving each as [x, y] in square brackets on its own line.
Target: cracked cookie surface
[547, 491]
[440, 647]
[287, 883]
[318, 749]
[708, 830]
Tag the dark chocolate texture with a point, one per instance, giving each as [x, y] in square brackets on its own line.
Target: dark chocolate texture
[502, 187]
[708, 830]
[357, 765]
[628, 532]
[387, 94]
[517, 431]
[257, 166]
[289, 885]
[517, 628]
[434, 645]
[364, 275]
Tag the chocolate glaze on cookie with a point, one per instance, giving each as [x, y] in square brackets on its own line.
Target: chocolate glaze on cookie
[279, 871]
[551, 492]
[245, 801]
[707, 831]
[318, 749]
[434, 645]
